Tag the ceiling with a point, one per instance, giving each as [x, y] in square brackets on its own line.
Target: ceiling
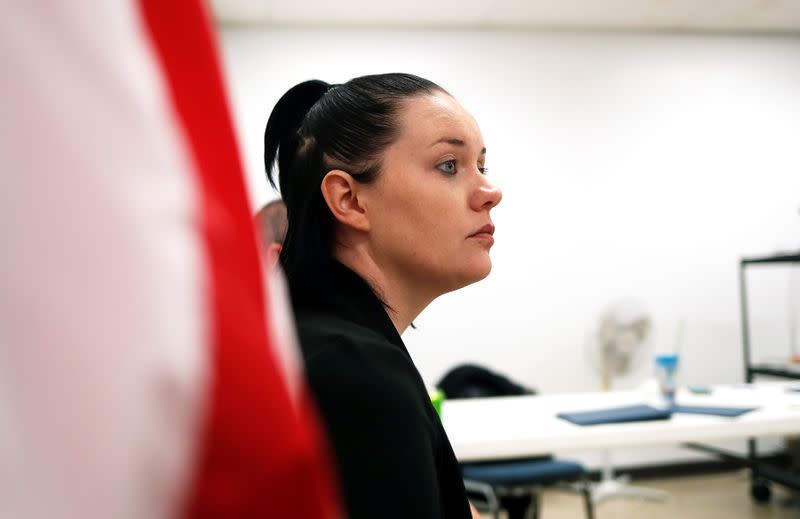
[765, 16]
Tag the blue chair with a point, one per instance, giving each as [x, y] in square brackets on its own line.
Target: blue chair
[512, 485]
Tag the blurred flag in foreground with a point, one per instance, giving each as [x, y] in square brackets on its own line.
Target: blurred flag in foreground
[137, 374]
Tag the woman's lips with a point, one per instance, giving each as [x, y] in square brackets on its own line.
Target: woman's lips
[484, 233]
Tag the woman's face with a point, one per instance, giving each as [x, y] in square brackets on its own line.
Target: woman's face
[429, 207]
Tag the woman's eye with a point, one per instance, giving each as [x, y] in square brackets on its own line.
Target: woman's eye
[448, 166]
[484, 170]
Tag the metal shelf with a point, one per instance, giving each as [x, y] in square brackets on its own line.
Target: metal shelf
[791, 371]
[788, 257]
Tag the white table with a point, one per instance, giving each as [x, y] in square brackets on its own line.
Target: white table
[507, 427]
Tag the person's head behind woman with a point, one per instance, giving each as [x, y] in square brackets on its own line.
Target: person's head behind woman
[385, 174]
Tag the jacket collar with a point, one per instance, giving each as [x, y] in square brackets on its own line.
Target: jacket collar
[348, 296]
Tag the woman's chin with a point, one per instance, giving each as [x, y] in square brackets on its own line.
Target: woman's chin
[482, 266]
[475, 272]
[458, 276]
[484, 271]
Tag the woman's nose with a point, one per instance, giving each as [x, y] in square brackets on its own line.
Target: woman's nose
[485, 196]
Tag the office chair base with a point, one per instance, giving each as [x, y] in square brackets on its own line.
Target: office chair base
[620, 487]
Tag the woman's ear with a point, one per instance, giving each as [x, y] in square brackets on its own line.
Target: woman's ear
[341, 191]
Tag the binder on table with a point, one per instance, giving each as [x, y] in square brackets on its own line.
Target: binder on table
[630, 413]
[730, 412]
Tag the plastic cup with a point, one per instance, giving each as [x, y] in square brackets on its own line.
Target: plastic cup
[666, 367]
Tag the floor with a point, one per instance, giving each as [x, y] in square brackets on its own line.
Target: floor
[717, 496]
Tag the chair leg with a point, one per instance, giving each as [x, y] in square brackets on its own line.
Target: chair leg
[587, 499]
[487, 492]
[517, 506]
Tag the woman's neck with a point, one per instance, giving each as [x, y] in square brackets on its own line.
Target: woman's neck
[404, 302]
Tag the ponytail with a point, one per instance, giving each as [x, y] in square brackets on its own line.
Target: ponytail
[282, 135]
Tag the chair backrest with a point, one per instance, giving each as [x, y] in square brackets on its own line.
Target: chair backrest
[473, 381]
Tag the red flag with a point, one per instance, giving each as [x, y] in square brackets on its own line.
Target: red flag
[137, 374]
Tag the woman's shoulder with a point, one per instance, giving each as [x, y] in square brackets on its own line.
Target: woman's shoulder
[344, 354]
[333, 337]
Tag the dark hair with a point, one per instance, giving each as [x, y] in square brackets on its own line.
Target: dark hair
[314, 128]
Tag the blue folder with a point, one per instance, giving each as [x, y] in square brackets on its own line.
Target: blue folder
[631, 413]
[716, 411]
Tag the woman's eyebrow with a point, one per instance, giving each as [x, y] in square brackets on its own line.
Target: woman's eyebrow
[455, 142]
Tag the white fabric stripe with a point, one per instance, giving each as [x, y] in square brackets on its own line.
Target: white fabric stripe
[103, 311]
[282, 333]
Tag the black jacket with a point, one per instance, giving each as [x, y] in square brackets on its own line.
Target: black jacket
[393, 457]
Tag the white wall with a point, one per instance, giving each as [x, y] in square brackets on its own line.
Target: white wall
[633, 166]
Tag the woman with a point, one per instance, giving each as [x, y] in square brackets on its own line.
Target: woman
[388, 206]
